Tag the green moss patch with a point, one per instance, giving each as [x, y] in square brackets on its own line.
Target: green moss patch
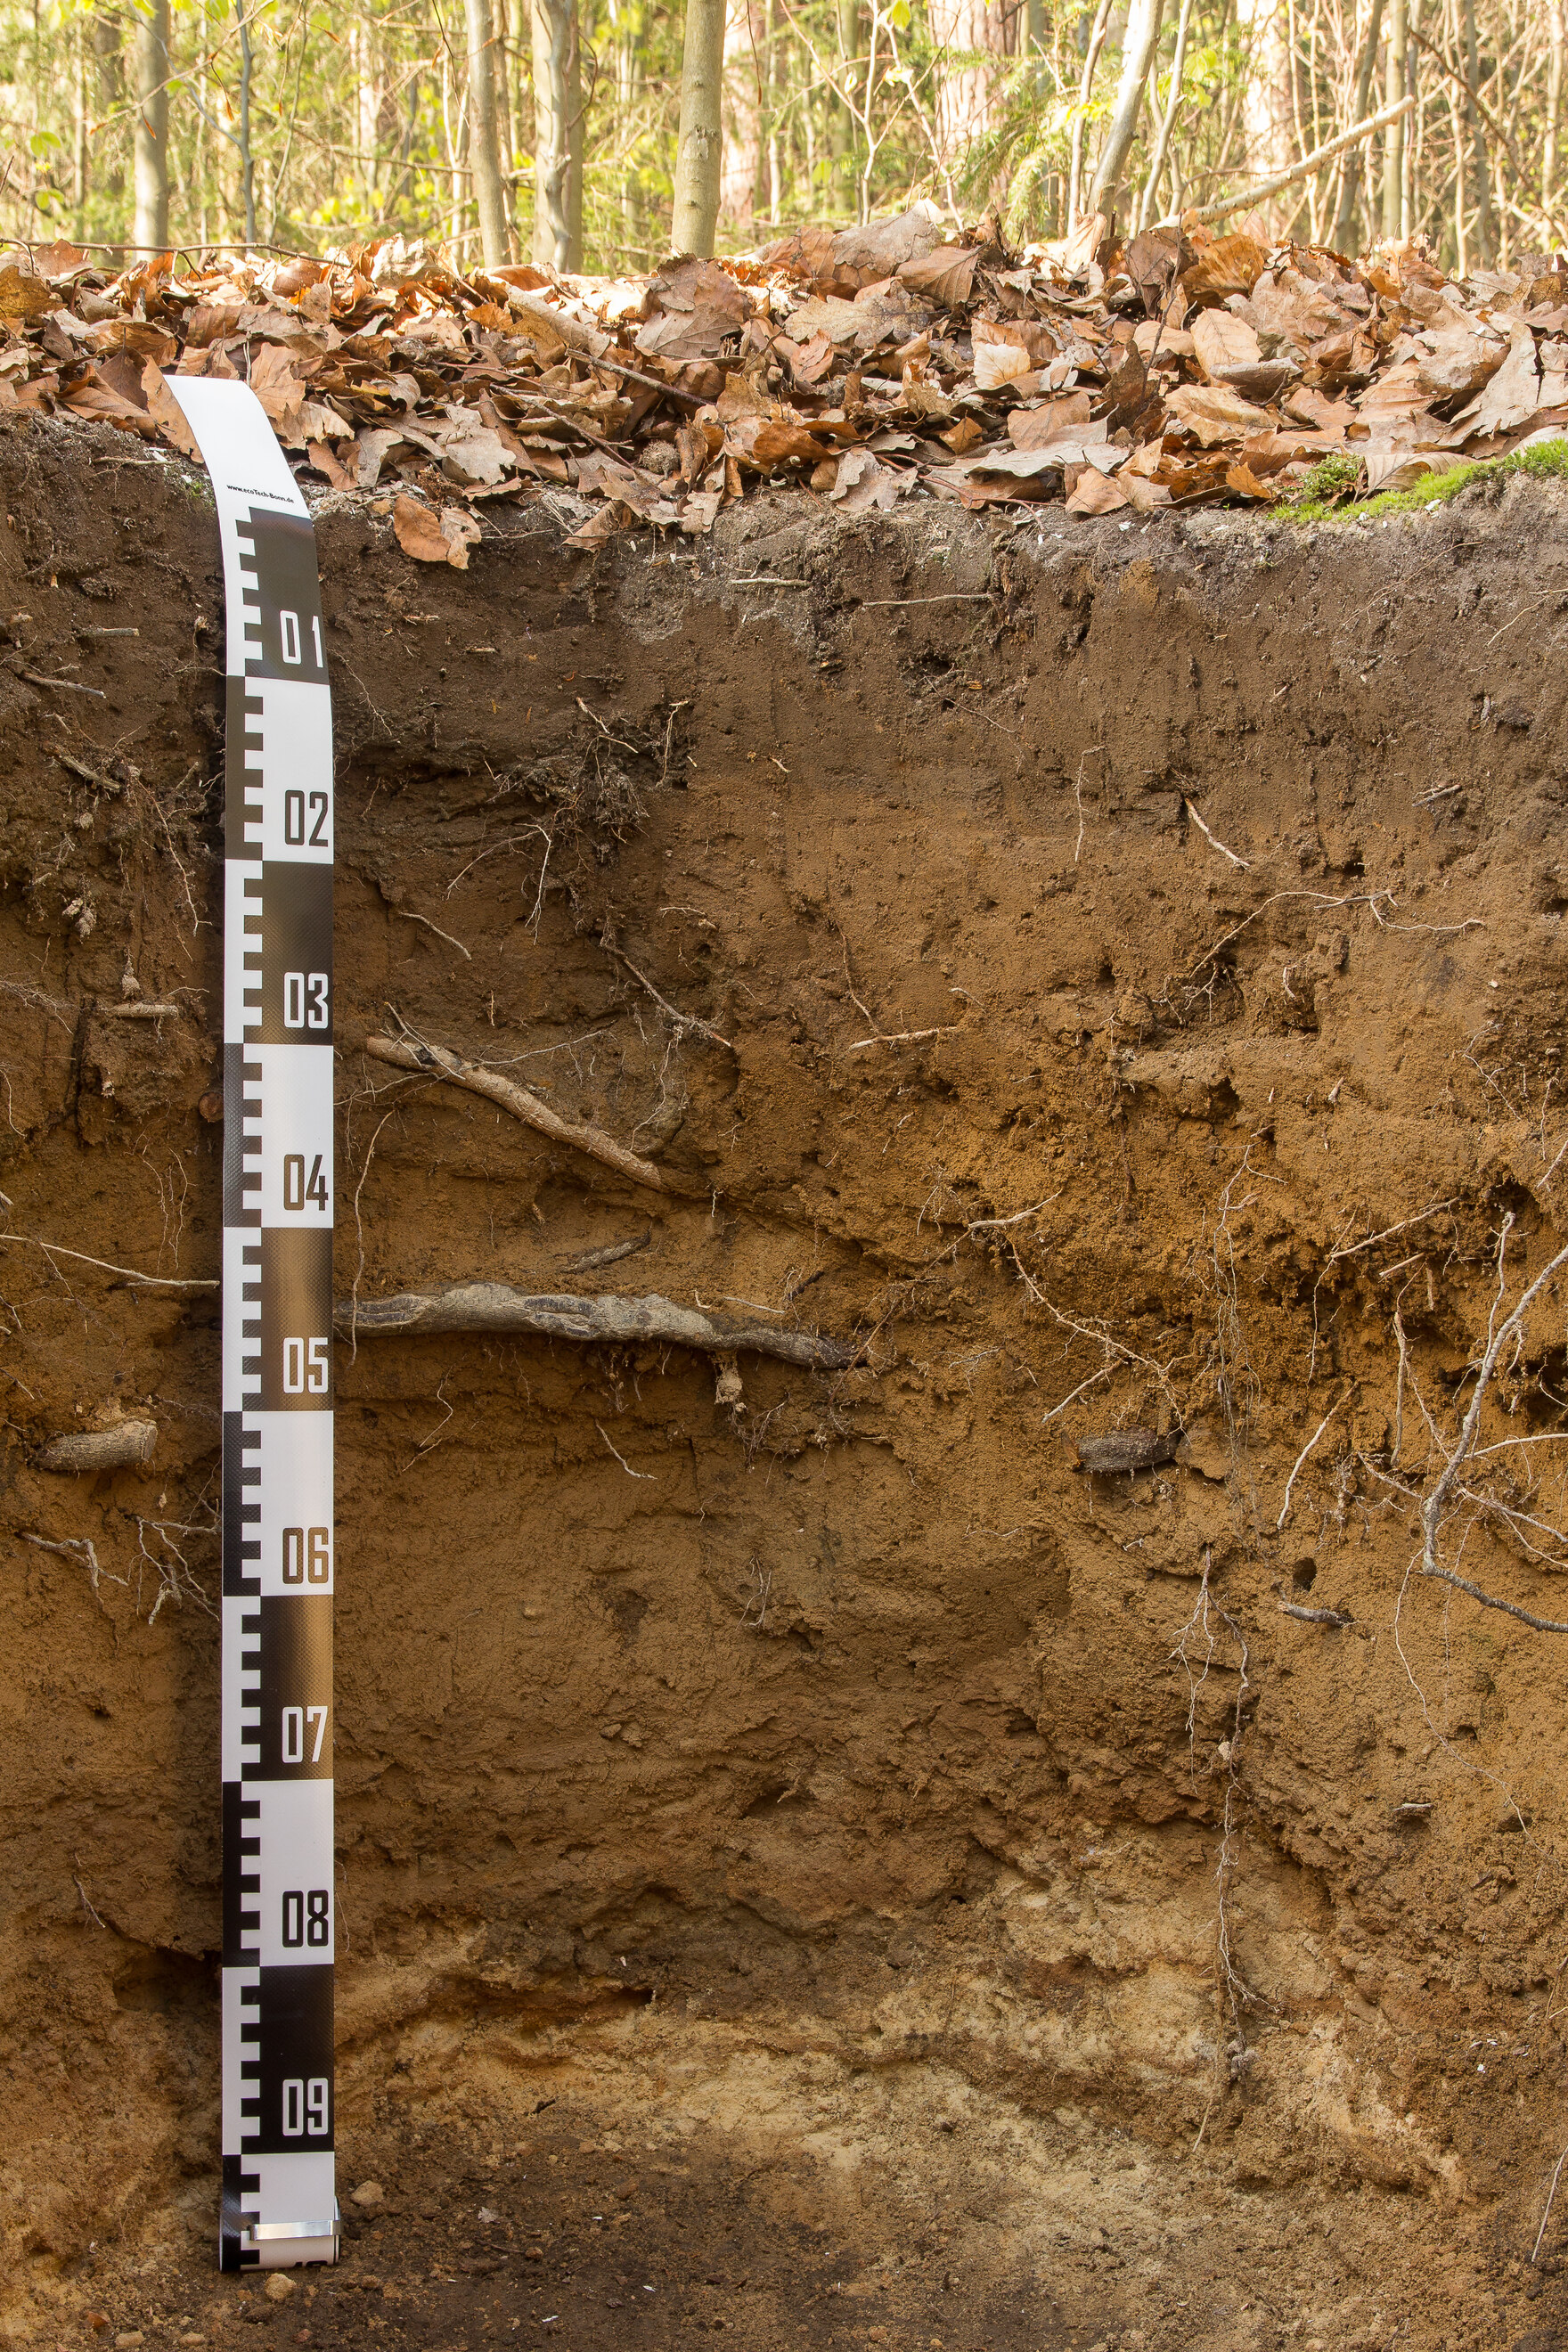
[1328, 492]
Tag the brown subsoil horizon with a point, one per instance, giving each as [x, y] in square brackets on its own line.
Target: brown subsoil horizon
[817, 1860]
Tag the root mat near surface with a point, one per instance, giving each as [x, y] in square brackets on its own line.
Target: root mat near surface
[1016, 1786]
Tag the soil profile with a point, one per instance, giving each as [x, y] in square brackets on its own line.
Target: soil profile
[981, 1834]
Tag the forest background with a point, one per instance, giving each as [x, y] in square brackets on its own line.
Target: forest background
[596, 134]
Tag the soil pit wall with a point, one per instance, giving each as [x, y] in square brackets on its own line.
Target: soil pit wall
[1135, 969]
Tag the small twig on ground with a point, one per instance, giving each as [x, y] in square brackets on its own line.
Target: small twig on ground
[669, 736]
[1214, 840]
[1550, 2195]
[78, 1548]
[953, 596]
[1387, 1233]
[1499, 1337]
[87, 1905]
[621, 1458]
[127, 1272]
[903, 1037]
[408, 916]
[1093, 752]
[1114, 1352]
[439, 1432]
[683, 1021]
[1289, 1483]
[359, 1241]
[592, 1260]
[412, 1052]
[62, 685]
[1489, 1601]
[1314, 1616]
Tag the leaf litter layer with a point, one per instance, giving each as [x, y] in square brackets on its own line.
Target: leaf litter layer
[874, 364]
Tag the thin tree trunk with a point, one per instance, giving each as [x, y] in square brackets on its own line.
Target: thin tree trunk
[150, 64]
[1344, 220]
[246, 161]
[79, 127]
[505, 128]
[698, 153]
[846, 20]
[1162, 144]
[963, 92]
[552, 138]
[1556, 21]
[1085, 88]
[745, 38]
[1266, 108]
[575, 126]
[1139, 45]
[484, 134]
[1486, 235]
[1394, 139]
[776, 89]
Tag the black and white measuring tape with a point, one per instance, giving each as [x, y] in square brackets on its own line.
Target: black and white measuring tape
[280, 2202]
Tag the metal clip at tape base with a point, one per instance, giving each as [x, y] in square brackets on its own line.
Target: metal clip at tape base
[285, 2245]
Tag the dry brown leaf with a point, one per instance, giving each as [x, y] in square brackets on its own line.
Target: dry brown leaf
[811, 360]
[22, 296]
[860, 257]
[944, 276]
[764, 442]
[1241, 479]
[431, 537]
[59, 259]
[1067, 418]
[927, 401]
[700, 511]
[96, 401]
[1390, 467]
[138, 337]
[280, 393]
[1095, 494]
[1159, 338]
[321, 455]
[1266, 452]
[695, 305]
[472, 454]
[1212, 413]
[863, 482]
[825, 315]
[600, 529]
[1000, 357]
[1231, 265]
[418, 530]
[805, 254]
[165, 411]
[1151, 261]
[1512, 396]
[1222, 344]
[1287, 302]
[963, 435]
[1460, 362]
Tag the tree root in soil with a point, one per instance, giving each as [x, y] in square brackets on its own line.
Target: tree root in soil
[437, 1061]
[606, 1320]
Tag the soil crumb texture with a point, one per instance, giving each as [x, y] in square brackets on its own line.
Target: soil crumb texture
[951, 1424]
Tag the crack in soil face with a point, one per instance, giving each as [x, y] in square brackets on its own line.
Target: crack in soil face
[988, 1844]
